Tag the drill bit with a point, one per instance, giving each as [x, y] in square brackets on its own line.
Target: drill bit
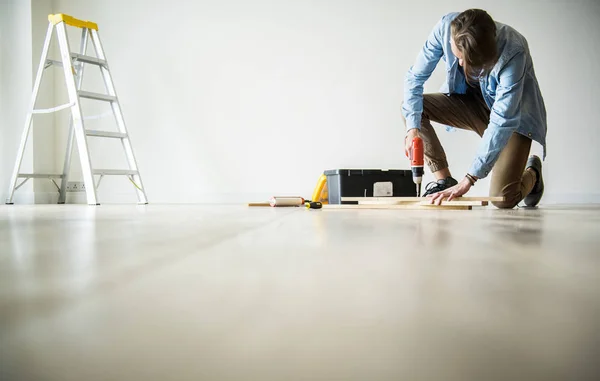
[418, 190]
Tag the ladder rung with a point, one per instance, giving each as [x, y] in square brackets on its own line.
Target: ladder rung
[40, 175]
[105, 134]
[96, 96]
[50, 62]
[88, 59]
[80, 58]
[115, 172]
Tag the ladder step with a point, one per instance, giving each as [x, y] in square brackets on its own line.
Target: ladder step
[115, 172]
[78, 57]
[40, 175]
[96, 96]
[106, 134]
[88, 59]
[50, 62]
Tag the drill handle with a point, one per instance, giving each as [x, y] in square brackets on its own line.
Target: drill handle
[416, 152]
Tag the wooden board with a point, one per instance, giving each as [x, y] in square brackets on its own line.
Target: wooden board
[419, 199]
[425, 202]
[259, 204]
[408, 207]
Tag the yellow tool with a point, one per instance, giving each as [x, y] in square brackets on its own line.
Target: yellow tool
[313, 205]
[320, 193]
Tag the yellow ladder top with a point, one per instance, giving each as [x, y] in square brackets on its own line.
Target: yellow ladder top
[69, 20]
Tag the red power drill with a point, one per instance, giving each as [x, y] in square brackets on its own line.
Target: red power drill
[416, 162]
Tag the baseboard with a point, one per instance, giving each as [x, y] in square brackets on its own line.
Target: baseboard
[203, 198]
[24, 198]
[35, 198]
[76, 198]
[571, 198]
[220, 198]
[46, 197]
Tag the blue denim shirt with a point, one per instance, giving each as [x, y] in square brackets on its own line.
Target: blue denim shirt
[511, 91]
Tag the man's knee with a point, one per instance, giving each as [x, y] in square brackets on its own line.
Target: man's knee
[506, 204]
[510, 192]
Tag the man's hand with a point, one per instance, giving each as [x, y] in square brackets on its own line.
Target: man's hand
[451, 193]
[410, 135]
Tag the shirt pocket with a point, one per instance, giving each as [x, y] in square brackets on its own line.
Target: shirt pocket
[490, 87]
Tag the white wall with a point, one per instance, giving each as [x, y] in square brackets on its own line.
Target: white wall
[23, 26]
[15, 91]
[238, 100]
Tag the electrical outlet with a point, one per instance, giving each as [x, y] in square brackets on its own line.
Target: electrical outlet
[75, 186]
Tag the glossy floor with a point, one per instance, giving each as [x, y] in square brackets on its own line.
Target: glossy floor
[192, 292]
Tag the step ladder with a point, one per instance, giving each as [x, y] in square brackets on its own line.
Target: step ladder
[73, 65]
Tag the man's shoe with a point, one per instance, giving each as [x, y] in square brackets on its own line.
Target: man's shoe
[440, 185]
[534, 197]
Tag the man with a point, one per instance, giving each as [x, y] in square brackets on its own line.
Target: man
[490, 89]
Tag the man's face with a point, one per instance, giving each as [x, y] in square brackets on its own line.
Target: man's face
[456, 52]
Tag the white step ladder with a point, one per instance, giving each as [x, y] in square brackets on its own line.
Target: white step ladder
[73, 65]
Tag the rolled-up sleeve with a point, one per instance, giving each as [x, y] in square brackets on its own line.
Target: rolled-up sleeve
[505, 116]
[427, 60]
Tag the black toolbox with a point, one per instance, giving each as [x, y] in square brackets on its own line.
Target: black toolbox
[369, 183]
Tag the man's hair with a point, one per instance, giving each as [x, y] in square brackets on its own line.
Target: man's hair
[474, 34]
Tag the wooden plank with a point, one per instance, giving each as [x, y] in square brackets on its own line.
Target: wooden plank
[406, 207]
[424, 202]
[419, 199]
[259, 204]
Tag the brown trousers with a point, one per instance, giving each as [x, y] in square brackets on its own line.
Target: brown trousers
[470, 112]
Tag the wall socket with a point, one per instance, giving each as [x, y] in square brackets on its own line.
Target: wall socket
[75, 186]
